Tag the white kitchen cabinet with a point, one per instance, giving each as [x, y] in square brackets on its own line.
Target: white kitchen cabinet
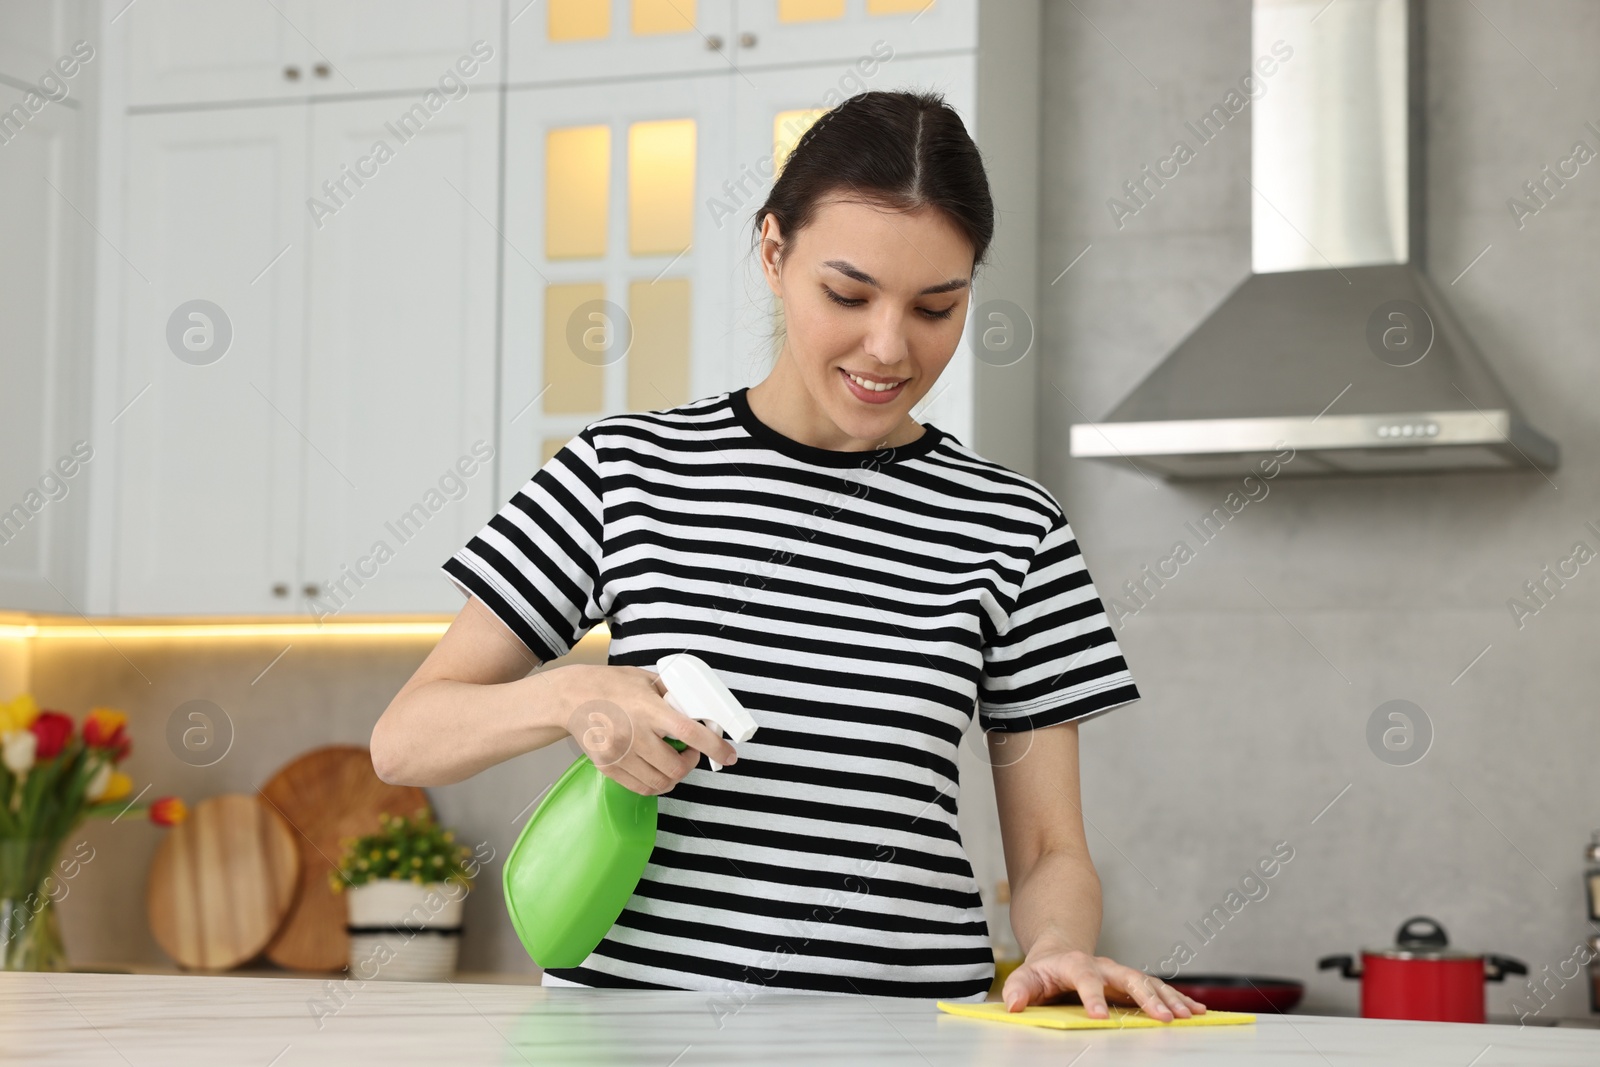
[360, 368]
[617, 256]
[35, 35]
[214, 51]
[784, 33]
[597, 40]
[400, 355]
[364, 382]
[376, 45]
[551, 41]
[212, 411]
[359, 283]
[48, 453]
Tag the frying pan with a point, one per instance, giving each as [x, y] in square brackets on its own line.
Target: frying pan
[1237, 992]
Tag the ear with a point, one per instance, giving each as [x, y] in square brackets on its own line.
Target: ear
[771, 247]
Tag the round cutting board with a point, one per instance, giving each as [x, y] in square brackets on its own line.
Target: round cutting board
[327, 795]
[222, 882]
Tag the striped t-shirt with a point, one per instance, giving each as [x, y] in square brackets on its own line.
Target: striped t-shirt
[862, 606]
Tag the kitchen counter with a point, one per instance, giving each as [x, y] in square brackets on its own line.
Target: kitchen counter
[74, 1019]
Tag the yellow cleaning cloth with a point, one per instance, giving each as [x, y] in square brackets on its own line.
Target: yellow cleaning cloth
[1072, 1016]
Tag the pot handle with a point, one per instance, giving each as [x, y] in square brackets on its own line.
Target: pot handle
[1346, 965]
[1502, 966]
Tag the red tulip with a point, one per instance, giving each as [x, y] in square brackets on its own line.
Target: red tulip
[54, 730]
[107, 728]
[167, 811]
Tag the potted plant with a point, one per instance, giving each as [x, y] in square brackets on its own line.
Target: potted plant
[52, 777]
[405, 886]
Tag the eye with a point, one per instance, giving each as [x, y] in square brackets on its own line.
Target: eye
[842, 302]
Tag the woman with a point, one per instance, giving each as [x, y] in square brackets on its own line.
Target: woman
[862, 582]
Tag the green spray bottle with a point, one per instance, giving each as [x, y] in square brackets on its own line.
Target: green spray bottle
[580, 856]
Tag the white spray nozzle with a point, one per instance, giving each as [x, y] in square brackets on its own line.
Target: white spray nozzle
[694, 690]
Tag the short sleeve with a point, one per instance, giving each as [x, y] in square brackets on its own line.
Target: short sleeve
[1057, 660]
[537, 562]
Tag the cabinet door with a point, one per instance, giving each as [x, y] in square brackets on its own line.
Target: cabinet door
[774, 32]
[43, 333]
[400, 357]
[187, 51]
[566, 40]
[621, 225]
[367, 45]
[35, 35]
[210, 425]
[771, 110]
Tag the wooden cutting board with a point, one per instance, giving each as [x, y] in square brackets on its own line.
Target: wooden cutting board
[222, 882]
[327, 795]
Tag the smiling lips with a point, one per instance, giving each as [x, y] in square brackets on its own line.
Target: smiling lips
[872, 390]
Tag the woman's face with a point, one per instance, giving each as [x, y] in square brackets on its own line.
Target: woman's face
[871, 292]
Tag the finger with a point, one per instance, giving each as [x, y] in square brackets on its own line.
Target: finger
[698, 735]
[1175, 1000]
[1142, 988]
[663, 756]
[659, 764]
[1091, 990]
[626, 780]
[1023, 987]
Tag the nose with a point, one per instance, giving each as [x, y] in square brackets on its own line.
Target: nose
[885, 340]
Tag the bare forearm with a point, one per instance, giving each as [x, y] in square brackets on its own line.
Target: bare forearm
[1058, 901]
[444, 731]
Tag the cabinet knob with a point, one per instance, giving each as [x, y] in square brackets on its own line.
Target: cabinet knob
[747, 40]
[291, 73]
[714, 42]
[280, 588]
[321, 70]
[312, 589]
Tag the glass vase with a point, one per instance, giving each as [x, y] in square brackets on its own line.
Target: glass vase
[30, 932]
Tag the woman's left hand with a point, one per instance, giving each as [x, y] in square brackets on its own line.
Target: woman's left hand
[1049, 972]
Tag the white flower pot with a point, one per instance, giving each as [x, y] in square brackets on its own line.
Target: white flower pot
[403, 931]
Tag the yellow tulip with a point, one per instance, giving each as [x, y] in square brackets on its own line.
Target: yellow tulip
[18, 713]
[118, 787]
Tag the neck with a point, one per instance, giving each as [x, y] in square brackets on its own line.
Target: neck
[783, 402]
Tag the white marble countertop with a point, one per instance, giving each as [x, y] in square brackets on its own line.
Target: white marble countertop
[73, 1020]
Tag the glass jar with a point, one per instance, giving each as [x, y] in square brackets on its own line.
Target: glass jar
[30, 932]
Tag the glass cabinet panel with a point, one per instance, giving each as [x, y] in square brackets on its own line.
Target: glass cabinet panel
[577, 174]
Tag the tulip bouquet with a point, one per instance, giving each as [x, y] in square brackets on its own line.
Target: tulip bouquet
[52, 777]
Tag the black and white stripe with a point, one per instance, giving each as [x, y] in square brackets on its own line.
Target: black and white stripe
[862, 606]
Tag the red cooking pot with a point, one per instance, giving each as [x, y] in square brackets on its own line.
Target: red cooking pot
[1422, 977]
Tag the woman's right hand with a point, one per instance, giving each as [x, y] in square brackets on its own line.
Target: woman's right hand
[620, 720]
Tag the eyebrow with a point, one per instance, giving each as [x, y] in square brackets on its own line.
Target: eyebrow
[851, 271]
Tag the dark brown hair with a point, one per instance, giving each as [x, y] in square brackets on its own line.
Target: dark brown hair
[897, 150]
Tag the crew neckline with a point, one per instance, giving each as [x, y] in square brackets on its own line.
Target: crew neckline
[827, 456]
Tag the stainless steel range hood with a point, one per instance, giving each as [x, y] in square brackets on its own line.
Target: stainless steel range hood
[1337, 346]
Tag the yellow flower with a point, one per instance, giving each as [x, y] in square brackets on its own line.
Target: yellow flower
[119, 786]
[18, 714]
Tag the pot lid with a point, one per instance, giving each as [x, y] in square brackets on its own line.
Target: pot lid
[1421, 938]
